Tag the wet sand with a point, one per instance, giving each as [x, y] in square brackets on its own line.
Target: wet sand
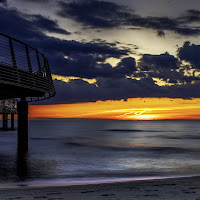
[169, 189]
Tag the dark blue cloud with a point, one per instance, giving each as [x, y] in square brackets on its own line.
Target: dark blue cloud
[28, 28]
[158, 62]
[190, 53]
[3, 2]
[20, 26]
[90, 66]
[46, 24]
[104, 14]
[167, 68]
[36, 1]
[84, 59]
[99, 14]
[191, 16]
[107, 89]
[118, 89]
[161, 33]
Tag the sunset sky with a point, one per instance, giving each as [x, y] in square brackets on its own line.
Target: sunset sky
[132, 109]
[113, 59]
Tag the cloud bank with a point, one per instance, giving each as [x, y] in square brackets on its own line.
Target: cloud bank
[104, 15]
[128, 79]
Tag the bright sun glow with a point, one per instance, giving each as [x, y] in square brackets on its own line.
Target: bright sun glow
[132, 109]
[139, 115]
[146, 117]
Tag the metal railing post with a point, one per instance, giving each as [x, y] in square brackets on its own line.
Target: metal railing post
[38, 60]
[12, 54]
[28, 60]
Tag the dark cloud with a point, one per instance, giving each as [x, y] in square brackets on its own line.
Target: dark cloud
[3, 2]
[118, 89]
[91, 66]
[13, 24]
[161, 33]
[190, 53]
[158, 62]
[46, 24]
[191, 16]
[127, 66]
[103, 14]
[36, 1]
[173, 76]
[84, 59]
[99, 14]
[107, 89]
[167, 68]
[28, 29]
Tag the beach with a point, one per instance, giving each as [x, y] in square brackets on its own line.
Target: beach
[178, 188]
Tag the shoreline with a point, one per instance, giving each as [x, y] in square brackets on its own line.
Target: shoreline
[68, 182]
[171, 188]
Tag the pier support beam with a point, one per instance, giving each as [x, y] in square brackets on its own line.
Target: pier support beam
[5, 121]
[12, 118]
[22, 108]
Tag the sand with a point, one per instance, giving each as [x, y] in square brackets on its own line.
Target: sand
[179, 188]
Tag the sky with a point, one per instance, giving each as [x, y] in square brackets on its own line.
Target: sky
[113, 59]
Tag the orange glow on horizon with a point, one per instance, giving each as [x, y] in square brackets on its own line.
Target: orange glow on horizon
[132, 109]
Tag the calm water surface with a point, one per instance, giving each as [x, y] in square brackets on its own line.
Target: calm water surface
[101, 149]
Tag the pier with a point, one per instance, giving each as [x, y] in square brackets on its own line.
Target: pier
[8, 108]
[25, 77]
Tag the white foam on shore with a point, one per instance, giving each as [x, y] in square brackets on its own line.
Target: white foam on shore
[82, 181]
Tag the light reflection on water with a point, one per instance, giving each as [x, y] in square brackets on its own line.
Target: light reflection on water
[71, 149]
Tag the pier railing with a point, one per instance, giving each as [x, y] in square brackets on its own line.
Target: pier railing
[24, 67]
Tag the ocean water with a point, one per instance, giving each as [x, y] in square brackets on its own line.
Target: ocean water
[84, 151]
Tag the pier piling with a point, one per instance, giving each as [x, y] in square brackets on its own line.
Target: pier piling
[22, 108]
[12, 118]
[5, 121]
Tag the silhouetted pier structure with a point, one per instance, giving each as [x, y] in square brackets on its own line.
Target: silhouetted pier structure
[8, 107]
[24, 75]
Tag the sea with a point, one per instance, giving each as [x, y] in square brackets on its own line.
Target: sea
[84, 151]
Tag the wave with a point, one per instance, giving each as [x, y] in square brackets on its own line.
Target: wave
[134, 148]
[136, 130]
[195, 137]
[38, 138]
